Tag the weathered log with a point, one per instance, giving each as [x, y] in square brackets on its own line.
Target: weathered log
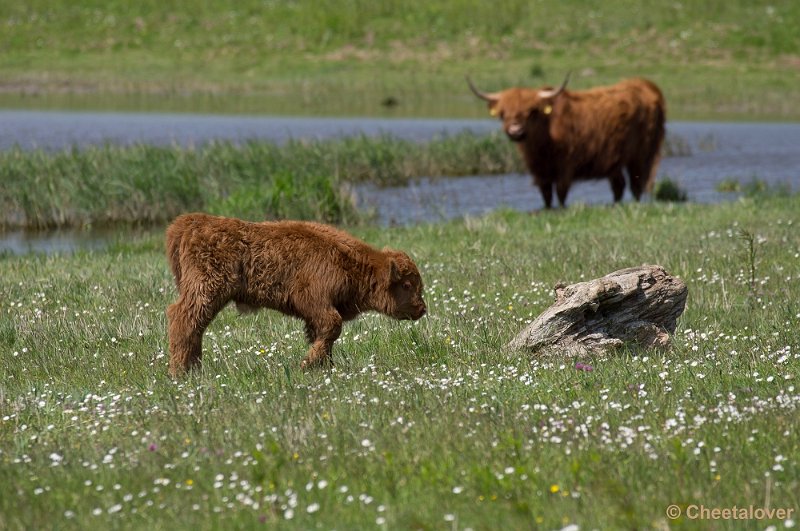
[638, 306]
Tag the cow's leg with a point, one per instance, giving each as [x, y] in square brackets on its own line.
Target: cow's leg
[637, 179]
[617, 179]
[323, 327]
[188, 318]
[642, 174]
[546, 189]
[562, 189]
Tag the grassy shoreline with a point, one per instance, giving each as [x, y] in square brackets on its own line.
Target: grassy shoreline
[431, 424]
[302, 179]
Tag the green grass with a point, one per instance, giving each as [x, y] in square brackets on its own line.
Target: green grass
[735, 59]
[429, 425]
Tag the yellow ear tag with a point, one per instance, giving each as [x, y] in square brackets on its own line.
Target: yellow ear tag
[548, 109]
[492, 112]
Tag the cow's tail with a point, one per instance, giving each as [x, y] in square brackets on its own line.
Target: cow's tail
[651, 179]
[175, 234]
[658, 140]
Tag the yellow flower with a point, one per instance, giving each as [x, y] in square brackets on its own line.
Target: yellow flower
[189, 482]
[554, 488]
[295, 456]
[716, 478]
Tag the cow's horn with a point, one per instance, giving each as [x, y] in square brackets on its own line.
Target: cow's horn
[554, 93]
[481, 95]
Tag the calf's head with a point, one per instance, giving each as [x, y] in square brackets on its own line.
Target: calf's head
[404, 292]
[521, 110]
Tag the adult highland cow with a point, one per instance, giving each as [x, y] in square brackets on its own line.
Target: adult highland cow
[308, 270]
[567, 136]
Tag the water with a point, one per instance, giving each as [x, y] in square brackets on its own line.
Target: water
[65, 130]
[717, 151]
[50, 242]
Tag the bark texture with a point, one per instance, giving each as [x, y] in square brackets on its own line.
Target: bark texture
[638, 306]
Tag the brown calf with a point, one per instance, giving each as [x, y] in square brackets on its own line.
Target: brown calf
[308, 270]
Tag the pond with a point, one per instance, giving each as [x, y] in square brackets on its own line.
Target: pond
[714, 152]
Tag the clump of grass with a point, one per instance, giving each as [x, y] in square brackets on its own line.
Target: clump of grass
[536, 71]
[759, 188]
[728, 185]
[668, 190]
[676, 146]
[754, 188]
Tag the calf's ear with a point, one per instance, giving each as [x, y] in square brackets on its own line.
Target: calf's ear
[394, 271]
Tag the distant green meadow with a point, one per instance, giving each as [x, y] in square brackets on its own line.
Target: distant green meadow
[715, 60]
[432, 424]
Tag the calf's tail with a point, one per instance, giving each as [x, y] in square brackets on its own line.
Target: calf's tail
[174, 236]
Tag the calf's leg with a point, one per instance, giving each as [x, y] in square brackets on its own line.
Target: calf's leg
[188, 318]
[322, 329]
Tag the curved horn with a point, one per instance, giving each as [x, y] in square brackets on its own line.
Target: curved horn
[553, 93]
[482, 95]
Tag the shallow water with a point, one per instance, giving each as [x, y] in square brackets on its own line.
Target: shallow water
[716, 151]
[53, 241]
[63, 130]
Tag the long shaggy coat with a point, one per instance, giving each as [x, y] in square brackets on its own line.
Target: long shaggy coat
[312, 271]
[571, 135]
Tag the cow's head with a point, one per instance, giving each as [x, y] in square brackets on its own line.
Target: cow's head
[521, 109]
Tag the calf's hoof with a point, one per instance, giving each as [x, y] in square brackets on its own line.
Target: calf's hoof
[316, 363]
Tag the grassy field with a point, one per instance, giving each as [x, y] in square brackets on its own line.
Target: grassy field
[733, 59]
[425, 425]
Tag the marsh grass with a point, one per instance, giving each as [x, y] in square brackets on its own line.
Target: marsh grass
[668, 190]
[432, 424]
[260, 180]
[301, 179]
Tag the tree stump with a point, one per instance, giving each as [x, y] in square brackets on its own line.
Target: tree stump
[638, 305]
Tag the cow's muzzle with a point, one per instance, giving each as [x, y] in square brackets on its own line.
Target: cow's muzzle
[516, 132]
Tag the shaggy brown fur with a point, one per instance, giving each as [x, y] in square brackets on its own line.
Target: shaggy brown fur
[566, 135]
[307, 270]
